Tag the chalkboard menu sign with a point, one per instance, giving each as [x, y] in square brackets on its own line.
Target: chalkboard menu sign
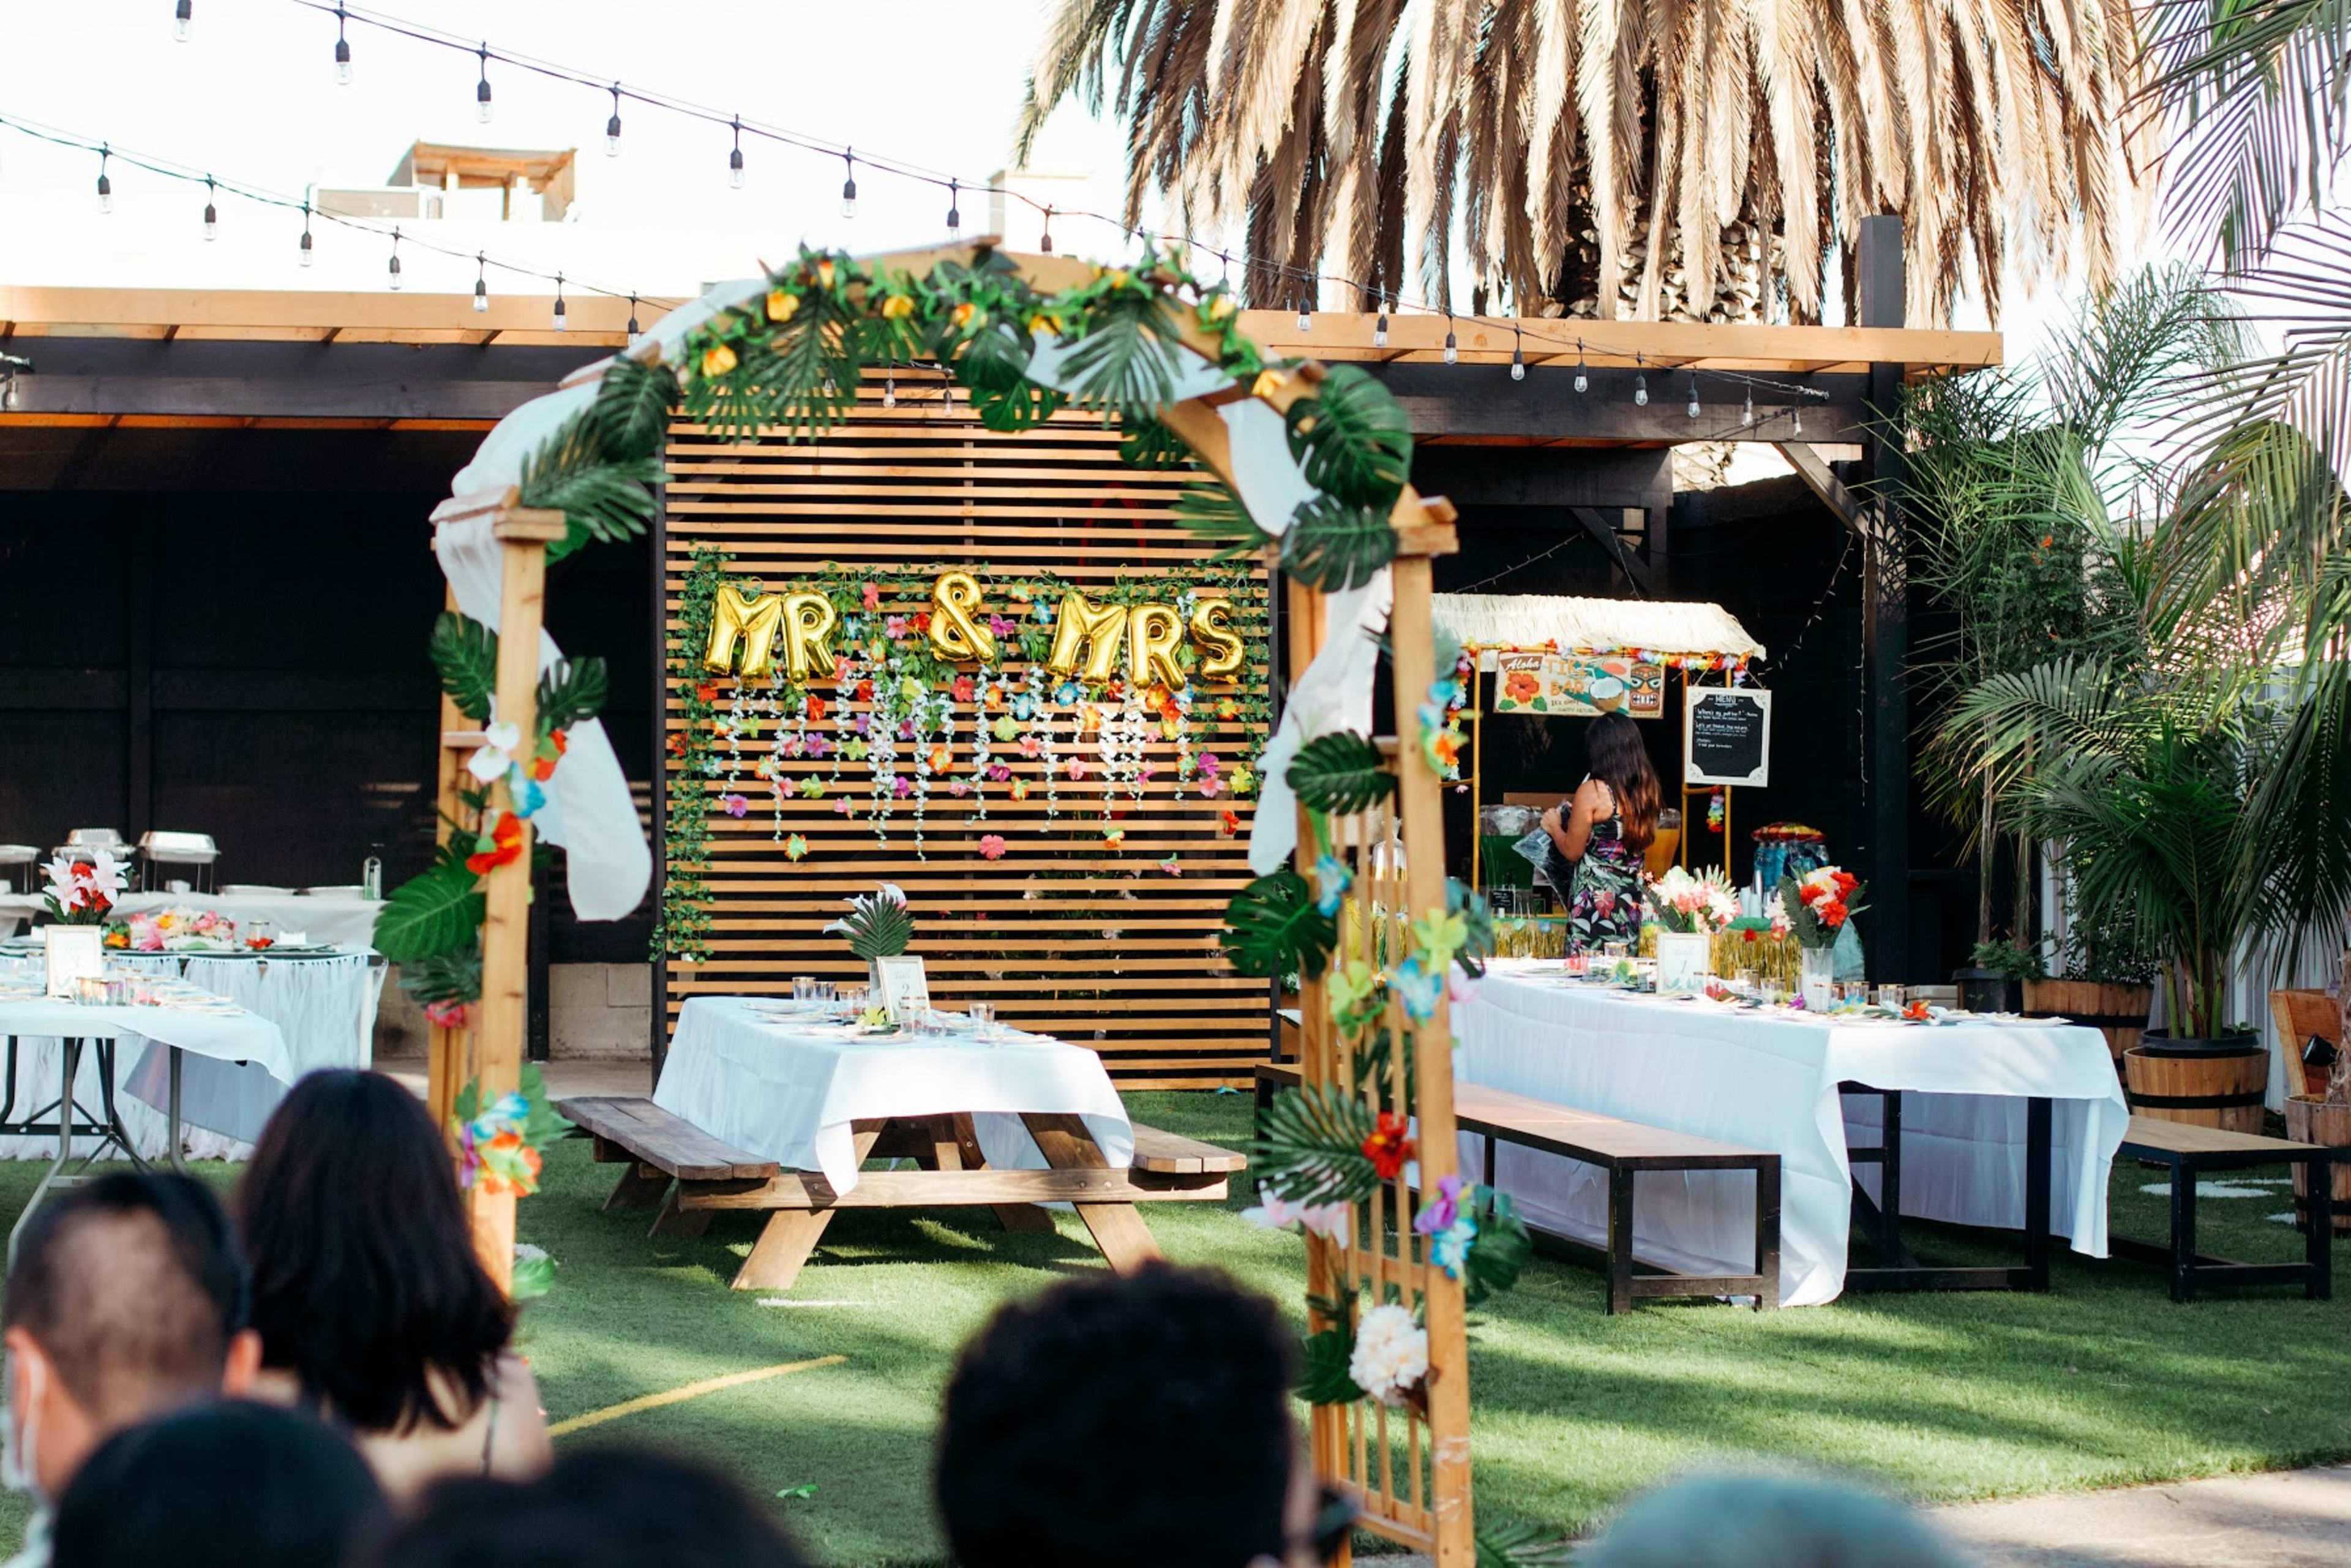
[1727, 736]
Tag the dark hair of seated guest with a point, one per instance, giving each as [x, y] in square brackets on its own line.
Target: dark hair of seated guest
[1118, 1421]
[365, 1282]
[227, 1484]
[604, 1508]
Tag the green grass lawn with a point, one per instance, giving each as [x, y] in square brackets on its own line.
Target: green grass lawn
[1942, 1396]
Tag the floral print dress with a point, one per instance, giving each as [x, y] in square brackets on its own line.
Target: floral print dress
[1603, 901]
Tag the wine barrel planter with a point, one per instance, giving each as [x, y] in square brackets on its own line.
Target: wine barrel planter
[2118, 1012]
[2203, 1083]
[2311, 1120]
[2300, 1015]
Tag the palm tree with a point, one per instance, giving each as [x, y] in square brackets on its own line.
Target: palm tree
[1611, 158]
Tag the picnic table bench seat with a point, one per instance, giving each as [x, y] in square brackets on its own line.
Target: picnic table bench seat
[2188, 1151]
[1624, 1150]
[689, 1174]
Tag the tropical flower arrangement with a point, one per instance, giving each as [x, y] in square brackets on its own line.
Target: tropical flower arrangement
[175, 930]
[1693, 905]
[878, 924]
[499, 1144]
[80, 892]
[1817, 905]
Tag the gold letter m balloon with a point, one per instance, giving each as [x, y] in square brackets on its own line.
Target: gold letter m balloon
[752, 621]
[1096, 628]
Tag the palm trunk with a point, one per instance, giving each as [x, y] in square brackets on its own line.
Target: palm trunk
[1986, 853]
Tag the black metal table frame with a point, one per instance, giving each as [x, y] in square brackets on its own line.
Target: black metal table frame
[107, 1126]
[1881, 1219]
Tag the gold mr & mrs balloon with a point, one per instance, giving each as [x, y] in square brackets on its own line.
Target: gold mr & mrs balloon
[1087, 637]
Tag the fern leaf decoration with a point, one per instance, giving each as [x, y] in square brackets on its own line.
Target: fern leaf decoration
[1271, 927]
[878, 924]
[1309, 1147]
[1352, 439]
[1333, 546]
[1124, 365]
[600, 496]
[1339, 775]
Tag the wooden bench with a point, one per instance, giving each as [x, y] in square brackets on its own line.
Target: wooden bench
[1624, 1150]
[2189, 1151]
[689, 1174]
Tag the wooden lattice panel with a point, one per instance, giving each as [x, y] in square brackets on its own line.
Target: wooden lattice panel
[1064, 934]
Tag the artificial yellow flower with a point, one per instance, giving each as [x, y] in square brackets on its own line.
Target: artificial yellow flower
[1041, 322]
[968, 315]
[824, 272]
[898, 307]
[1119, 277]
[1221, 307]
[717, 359]
[782, 305]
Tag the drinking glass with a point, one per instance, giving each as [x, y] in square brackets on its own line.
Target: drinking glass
[803, 987]
[983, 1019]
[824, 992]
[1891, 997]
[1855, 993]
[852, 1001]
[1775, 995]
[1745, 982]
[1613, 951]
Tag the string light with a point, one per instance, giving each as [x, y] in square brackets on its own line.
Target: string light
[1640, 385]
[1452, 349]
[212, 213]
[848, 186]
[636, 331]
[481, 283]
[561, 324]
[342, 48]
[955, 210]
[1800, 418]
[1693, 394]
[1747, 415]
[735, 158]
[395, 270]
[483, 111]
[306, 234]
[612, 126]
[105, 186]
[1380, 328]
[1582, 376]
[1045, 237]
[1306, 307]
[184, 15]
[889, 391]
[1518, 356]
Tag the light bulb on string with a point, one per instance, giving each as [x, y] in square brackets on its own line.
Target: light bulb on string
[483, 111]
[889, 391]
[561, 322]
[1800, 418]
[342, 49]
[1306, 306]
[612, 126]
[1452, 349]
[1045, 236]
[212, 213]
[306, 234]
[1747, 415]
[1582, 376]
[481, 283]
[848, 186]
[105, 186]
[393, 272]
[636, 331]
[1693, 395]
[1380, 328]
[182, 17]
[1518, 355]
[955, 209]
[735, 158]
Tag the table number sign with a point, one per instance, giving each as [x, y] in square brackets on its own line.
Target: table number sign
[74, 952]
[904, 990]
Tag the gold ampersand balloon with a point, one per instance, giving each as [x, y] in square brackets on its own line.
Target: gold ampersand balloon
[808, 619]
[954, 633]
[1153, 631]
[1097, 629]
[1221, 651]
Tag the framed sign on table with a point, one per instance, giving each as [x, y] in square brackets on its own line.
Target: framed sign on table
[903, 990]
[74, 952]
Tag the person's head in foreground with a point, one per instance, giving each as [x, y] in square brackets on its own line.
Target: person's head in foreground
[1116, 1421]
[373, 1308]
[228, 1485]
[605, 1507]
[127, 1299]
[1768, 1521]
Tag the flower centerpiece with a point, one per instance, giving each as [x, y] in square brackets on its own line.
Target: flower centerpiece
[1689, 910]
[1817, 907]
[878, 927]
[80, 892]
[174, 930]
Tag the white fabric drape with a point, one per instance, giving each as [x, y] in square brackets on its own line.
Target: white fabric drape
[1771, 1083]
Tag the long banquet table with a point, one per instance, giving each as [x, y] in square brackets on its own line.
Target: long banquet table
[1770, 1079]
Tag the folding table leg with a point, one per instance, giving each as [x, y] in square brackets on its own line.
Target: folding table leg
[2319, 1234]
[69, 1061]
[2183, 1229]
[2040, 1152]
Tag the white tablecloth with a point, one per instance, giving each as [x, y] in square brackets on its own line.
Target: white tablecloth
[1770, 1082]
[323, 1009]
[791, 1090]
[343, 922]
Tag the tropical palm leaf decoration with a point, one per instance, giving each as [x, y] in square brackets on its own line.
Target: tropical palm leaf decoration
[1272, 928]
[878, 924]
[1336, 545]
[464, 655]
[1352, 439]
[1309, 1145]
[1339, 774]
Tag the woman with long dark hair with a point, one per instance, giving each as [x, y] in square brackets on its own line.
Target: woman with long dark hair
[373, 1308]
[1602, 833]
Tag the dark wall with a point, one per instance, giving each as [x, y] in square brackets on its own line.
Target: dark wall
[253, 666]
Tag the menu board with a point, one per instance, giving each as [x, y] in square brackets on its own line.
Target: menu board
[1727, 736]
[1578, 685]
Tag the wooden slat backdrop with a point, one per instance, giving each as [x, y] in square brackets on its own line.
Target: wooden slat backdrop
[1098, 946]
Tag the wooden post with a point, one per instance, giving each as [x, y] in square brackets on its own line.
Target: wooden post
[447, 1049]
[1420, 811]
[523, 536]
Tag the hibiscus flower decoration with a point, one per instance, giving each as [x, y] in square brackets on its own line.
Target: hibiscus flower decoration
[872, 597]
[795, 848]
[1520, 686]
[961, 688]
[1232, 823]
[991, 846]
[815, 706]
[736, 805]
[1388, 1146]
[502, 845]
